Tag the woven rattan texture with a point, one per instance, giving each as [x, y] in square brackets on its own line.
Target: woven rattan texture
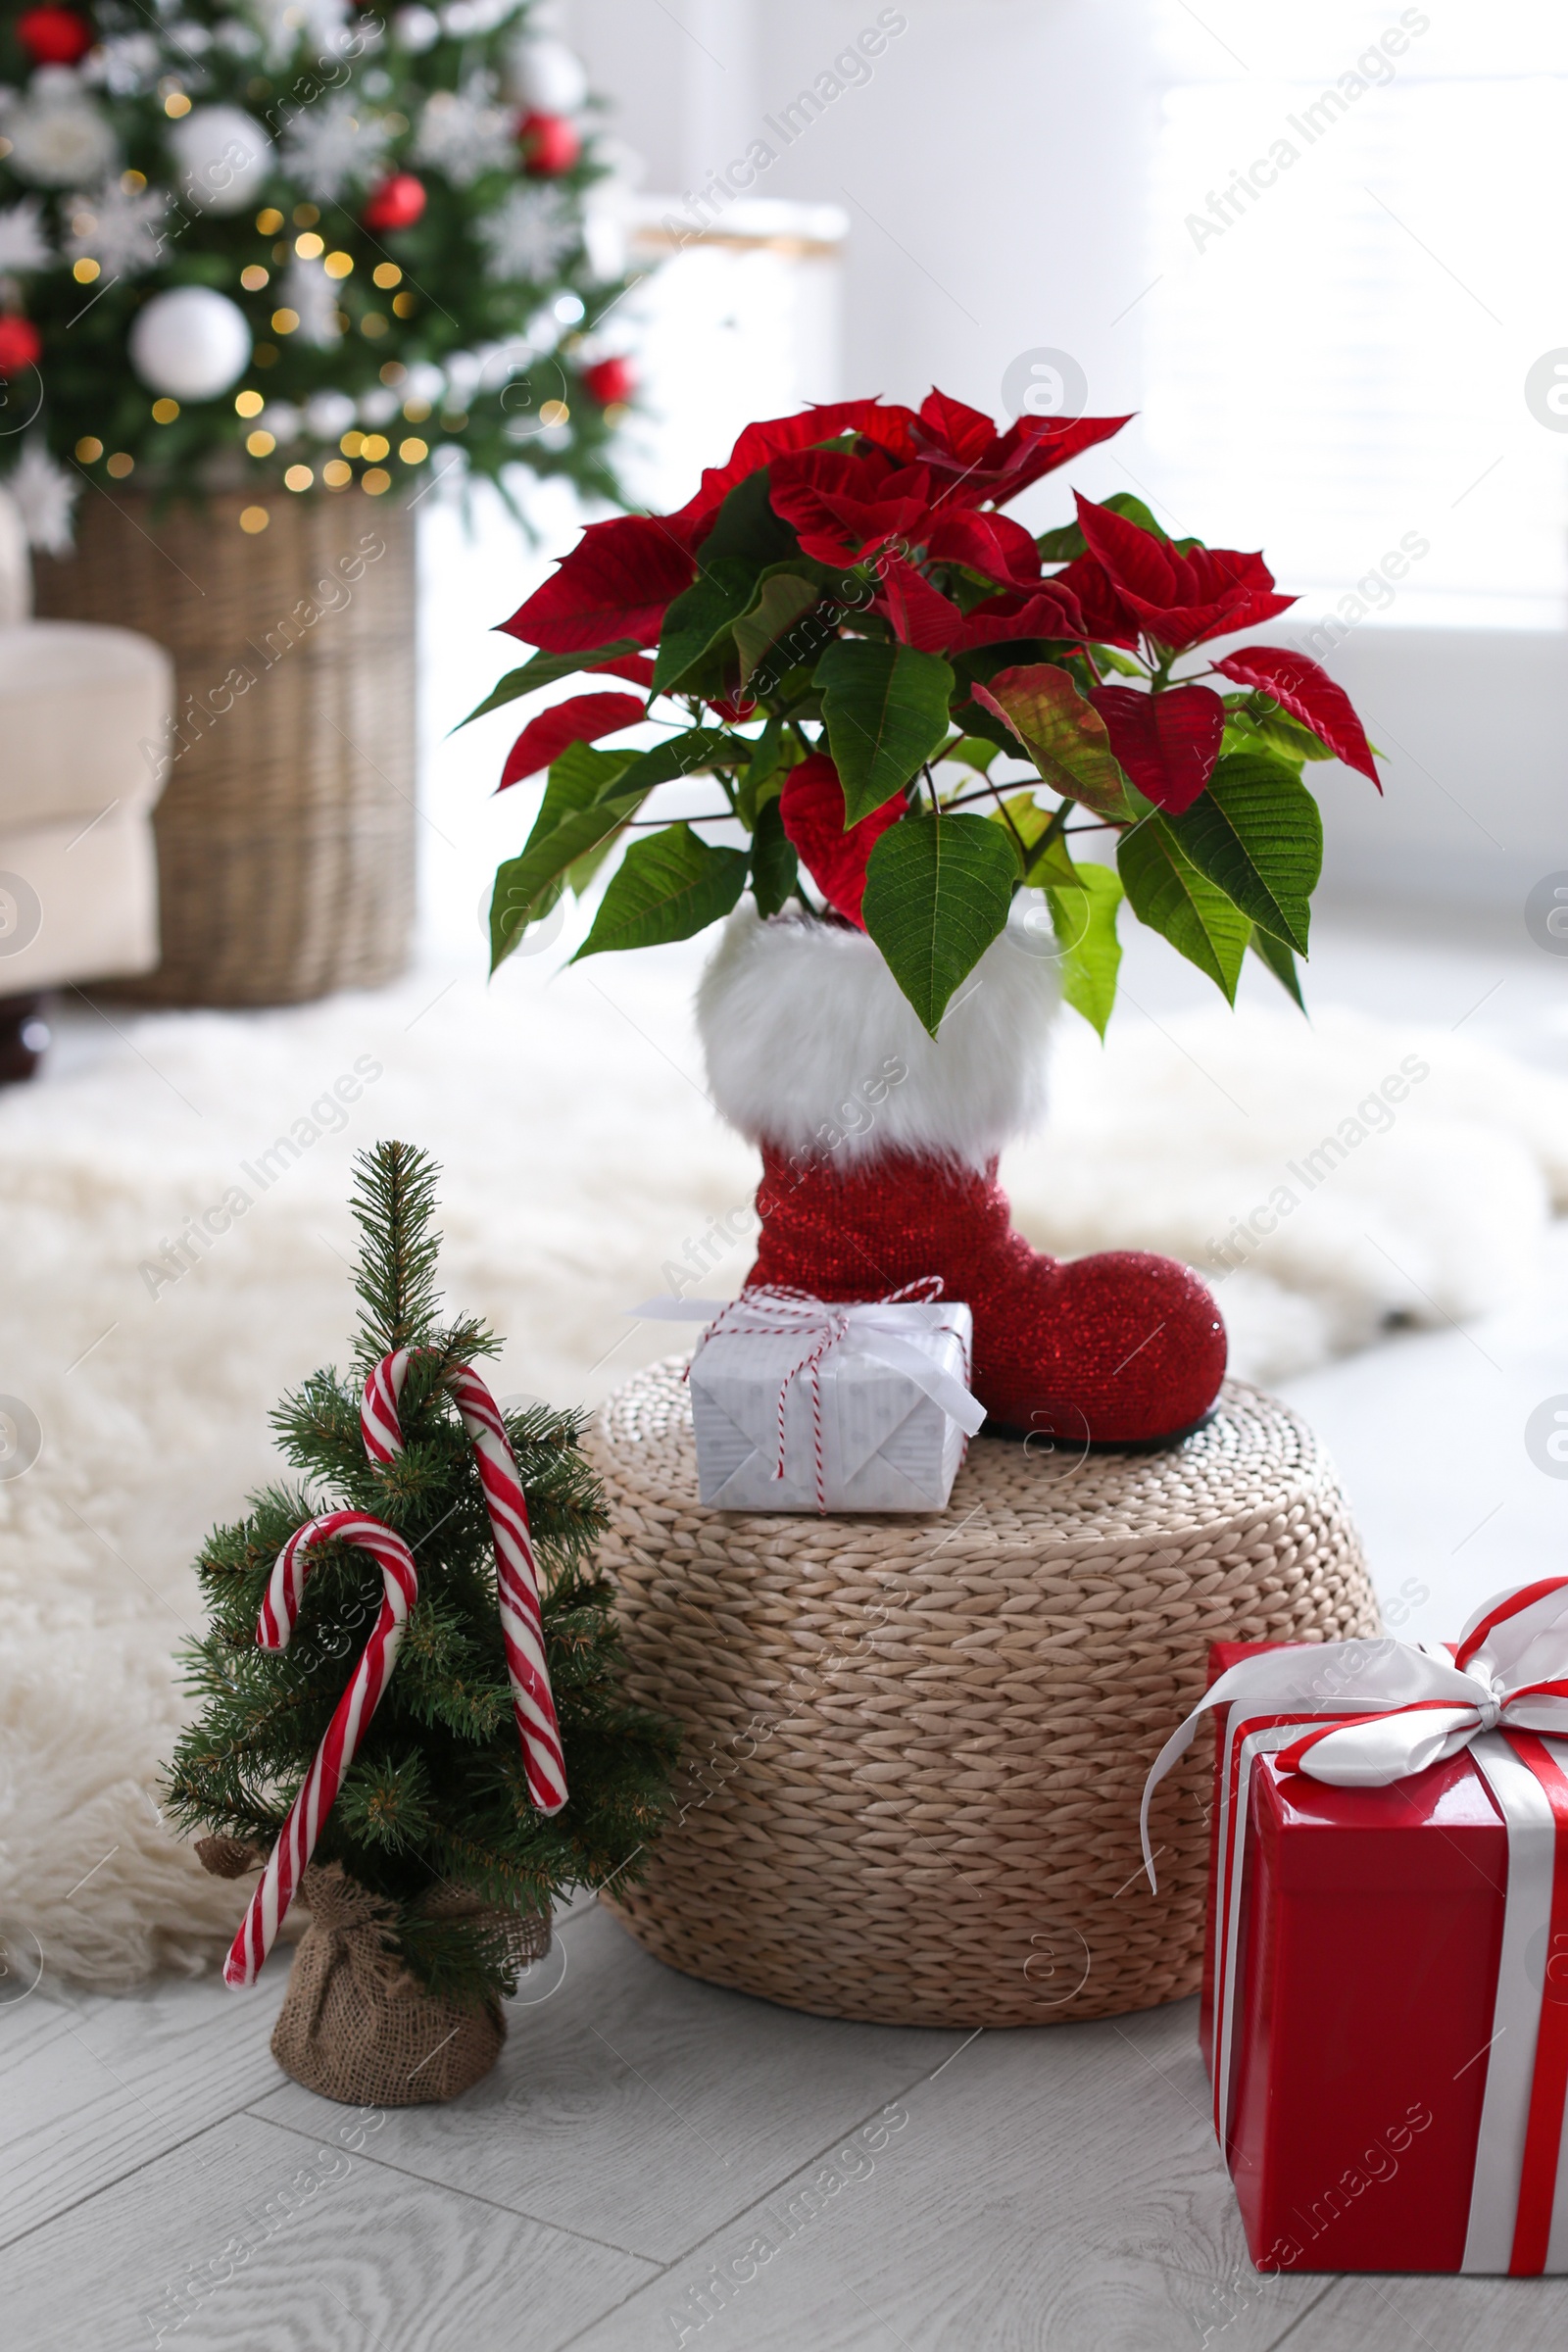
[286, 831]
[915, 1746]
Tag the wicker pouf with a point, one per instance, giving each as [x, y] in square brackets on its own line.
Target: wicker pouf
[286, 830]
[916, 1746]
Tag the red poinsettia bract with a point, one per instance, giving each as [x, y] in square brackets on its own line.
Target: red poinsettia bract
[1304, 689]
[812, 808]
[1177, 599]
[1167, 742]
[922, 617]
[580, 718]
[915, 477]
[617, 581]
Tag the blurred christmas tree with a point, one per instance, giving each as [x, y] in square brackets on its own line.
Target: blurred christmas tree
[281, 241]
[435, 1802]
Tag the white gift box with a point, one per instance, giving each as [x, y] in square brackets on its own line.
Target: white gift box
[876, 1410]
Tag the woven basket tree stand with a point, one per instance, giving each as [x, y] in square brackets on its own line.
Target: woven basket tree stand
[916, 1746]
[286, 829]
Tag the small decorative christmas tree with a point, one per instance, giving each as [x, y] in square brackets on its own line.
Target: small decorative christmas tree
[433, 1820]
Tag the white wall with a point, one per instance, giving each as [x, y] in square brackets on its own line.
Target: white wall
[992, 165]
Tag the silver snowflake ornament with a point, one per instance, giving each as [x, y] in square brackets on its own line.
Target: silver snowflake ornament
[466, 132]
[45, 495]
[24, 244]
[121, 228]
[529, 234]
[332, 146]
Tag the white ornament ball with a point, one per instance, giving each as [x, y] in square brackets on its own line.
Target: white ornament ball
[330, 415]
[191, 342]
[417, 30]
[59, 140]
[546, 77]
[280, 418]
[224, 157]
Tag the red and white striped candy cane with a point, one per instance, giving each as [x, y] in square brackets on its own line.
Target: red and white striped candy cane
[516, 1574]
[279, 1615]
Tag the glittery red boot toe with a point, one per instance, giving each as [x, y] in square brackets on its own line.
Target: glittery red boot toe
[1121, 1349]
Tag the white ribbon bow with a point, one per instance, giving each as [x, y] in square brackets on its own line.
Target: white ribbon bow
[1394, 1707]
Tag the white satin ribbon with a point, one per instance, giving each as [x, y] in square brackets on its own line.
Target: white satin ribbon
[1510, 1671]
[1372, 1712]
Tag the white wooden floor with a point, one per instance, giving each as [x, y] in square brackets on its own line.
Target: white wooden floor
[857, 2185]
[1049, 2190]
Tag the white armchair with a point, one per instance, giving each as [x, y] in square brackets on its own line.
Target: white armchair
[84, 714]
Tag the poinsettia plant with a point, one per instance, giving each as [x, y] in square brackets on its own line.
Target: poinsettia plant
[846, 636]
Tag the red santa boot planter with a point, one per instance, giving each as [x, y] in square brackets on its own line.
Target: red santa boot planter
[879, 1165]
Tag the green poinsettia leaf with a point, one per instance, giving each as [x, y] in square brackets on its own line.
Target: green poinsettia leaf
[1067, 541]
[1063, 733]
[701, 615]
[1280, 962]
[783, 600]
[1133, 510]
[1166, 890]
[1045, 862]
[971, 751]
[746, 527]
[937, 894]
[1257, 832]
[771, 755]
[747, 540]
[886, 712]
[670, 885]
[1254, 722]
[585, 802]
[543, 670]
[692, 754]
[1084, 919]
[1062, 545]
[775, 868]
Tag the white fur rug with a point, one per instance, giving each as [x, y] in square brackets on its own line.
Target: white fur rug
[582, 1163]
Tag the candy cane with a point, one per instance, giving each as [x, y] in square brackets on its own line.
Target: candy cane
[516, 1574]
[279, 1615]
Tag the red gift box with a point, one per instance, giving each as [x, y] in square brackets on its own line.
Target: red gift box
[1385, 2005]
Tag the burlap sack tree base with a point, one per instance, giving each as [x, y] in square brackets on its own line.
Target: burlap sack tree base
[917, 1745]
[356, 2026]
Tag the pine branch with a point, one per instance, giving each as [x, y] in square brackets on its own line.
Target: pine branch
[394, 1206]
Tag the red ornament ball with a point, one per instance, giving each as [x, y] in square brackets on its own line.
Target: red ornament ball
[609, 382]
[549, 144]
[54, 36]
[396, 204]
[20, 345]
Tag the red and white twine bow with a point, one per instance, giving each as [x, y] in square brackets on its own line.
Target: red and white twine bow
[774, 1311]
[521, 1628]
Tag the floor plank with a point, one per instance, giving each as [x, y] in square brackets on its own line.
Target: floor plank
[94, 2086]
[1045, 2190]
[640, 2106]
[250, 2240]
[1445, 2315]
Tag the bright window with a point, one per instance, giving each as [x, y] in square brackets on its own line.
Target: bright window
[1361, 249]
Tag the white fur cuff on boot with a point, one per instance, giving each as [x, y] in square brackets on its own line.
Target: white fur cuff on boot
[809, 1039]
